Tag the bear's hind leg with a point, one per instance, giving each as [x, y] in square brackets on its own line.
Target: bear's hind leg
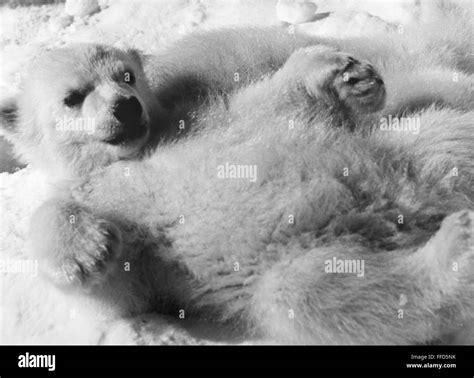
[398, 297]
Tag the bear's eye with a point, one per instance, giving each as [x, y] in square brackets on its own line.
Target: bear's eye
[75, 98]
[129, 77]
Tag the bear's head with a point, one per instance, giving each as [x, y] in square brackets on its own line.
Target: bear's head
[80, 108]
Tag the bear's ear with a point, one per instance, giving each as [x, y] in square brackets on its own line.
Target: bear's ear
[142, 59]
[8, 117]
[136, 55]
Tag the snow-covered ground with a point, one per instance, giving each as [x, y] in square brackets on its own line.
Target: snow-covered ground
[152, 24]
[148, 26]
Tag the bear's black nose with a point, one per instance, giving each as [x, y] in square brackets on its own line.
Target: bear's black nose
[128, 111]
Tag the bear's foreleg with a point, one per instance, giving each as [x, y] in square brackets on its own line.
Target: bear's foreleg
[316, 82]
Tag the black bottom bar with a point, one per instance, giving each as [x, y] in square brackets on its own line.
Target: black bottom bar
[237, 361]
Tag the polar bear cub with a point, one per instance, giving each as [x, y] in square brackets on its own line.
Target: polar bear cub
[239, 106]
